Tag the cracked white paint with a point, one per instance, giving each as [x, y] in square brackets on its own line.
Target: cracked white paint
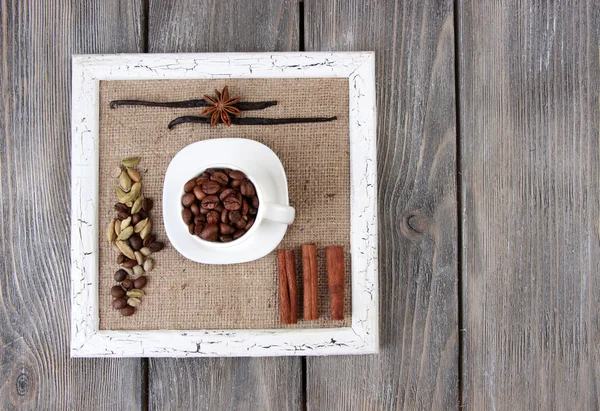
[86, 338]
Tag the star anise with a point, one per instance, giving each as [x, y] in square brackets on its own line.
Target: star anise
[222, 107]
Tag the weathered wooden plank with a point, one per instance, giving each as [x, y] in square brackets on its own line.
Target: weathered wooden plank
[417, 365]
[228, 383]
[529, 120]
[37, 40]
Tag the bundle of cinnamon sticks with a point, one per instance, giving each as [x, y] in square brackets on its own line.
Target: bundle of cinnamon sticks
[288, 298]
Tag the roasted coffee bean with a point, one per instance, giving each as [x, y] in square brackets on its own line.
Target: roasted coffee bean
[120, 275]
[140, 282]
[121, 258]
[122, 215]
[225, 193]
[136, 242]
[210, 171]
[226, 229]
[189, 186]
[225, 238]
[240, 224]
[195, 209]
[187, 215]
[224, 216]
[210, 202]
[156, 246]
[237, 175]
[213, 217]
[232, 203]
[235, 216]
[127, 311]
[147, 204]
[144, 214]
[204, 211]
[188, 199]
[191, 228]
[198, 227]
[199, 193]
[149, 240]
[117, 291]
[211, 187]
[127, 284]
[220, 177]
[122, 207]
[219, 208]
[252, 211]
[129, 263]
[245, 207]
[235, 184]
[200, 219]
[247, 188]
[238, 234]
[249, 224]
[119, 303]
[135, 219]
[255, 202]
[210, 232]
[202, 179]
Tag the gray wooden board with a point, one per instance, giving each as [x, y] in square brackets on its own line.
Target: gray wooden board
[225, 383]
[529, 126]
[417, 366]
[37, 40]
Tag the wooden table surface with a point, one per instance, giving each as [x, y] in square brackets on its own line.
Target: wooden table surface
[488, 139]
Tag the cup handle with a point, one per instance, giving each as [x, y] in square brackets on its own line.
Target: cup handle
[279, 213]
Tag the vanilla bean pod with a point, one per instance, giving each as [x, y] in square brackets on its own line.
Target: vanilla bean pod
[252, 121]
[244, 105]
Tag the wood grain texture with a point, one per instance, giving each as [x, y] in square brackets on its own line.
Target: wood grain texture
[37, 40]
[229, 383]
[529, 120]
[417, 365]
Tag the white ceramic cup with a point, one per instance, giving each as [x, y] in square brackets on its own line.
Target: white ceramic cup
[278, 213]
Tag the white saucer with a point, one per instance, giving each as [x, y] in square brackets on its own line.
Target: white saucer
[252, 157]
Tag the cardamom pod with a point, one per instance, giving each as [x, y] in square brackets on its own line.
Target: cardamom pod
[130, 161]
[137, 206]
[111, 236]
[125, 249]
[134, 175]
[134, 302]
[129, 204]
[125, 234]
[148, 264]
[136, 293]
[138, 270]
[140, 226]
[125, 223]
[125, 181]
[115, 248]
[132, 195]
[121, 194]
[117, 228]
[145, 251]
[116, 172]
[139, 257]
[146, 230]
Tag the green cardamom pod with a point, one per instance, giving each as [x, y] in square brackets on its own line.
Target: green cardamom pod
[137, 205]
[125, 234]
[134, 175]
[131, 161]
[146, 230]
[125, 249]
[125, 181]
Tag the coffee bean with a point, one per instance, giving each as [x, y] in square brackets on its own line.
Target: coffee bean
[187, 215]
[127, 284]
[149, 240]
[188, 199]
[121, 258]
[204, 211]
[189, 186]
[220, 177]
[198, 227]
[200, 219]
[225, 238]
[210, 171]
[247, 188]
[225, 193]
[144, 214]
[249, 224]
[120, 275]
[202, 179]
[219, 208]
[240, 224]
[238, 234]
[210, 232]
[122, 215]
[119, 303]
[117, 291]
[199, 193]
[235, 184]
[191, 228]
[226, 229]
[235, 216]
[232, 203]
[129, 263]
[213, 217]
[194, 208]
[147, 204]
[156, 246]
[210, 202]
[252, 211]
[255, 202]
[245, 207]
[224, 216]
[211, 187]
[127, 311]
[140, 282]
[135, 219]
[136, 242]
[237, 175]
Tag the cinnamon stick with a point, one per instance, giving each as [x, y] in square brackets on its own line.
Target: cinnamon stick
[288, 298]
[335, 276]
[310, 277]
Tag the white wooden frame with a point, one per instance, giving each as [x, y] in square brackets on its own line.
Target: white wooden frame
[86, 338]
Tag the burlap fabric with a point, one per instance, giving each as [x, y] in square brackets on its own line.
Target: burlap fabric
[182, 294]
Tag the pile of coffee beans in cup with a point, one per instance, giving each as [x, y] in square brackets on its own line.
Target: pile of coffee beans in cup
[219, 205]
